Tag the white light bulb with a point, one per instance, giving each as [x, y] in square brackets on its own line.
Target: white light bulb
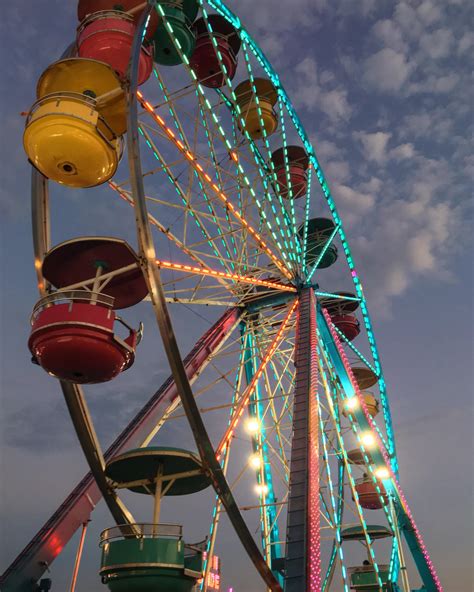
[382, 473]
[352, 403]
[252, 425]
[255, 461]
[368, 440]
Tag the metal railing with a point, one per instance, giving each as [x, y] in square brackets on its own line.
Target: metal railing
[141, 531]
[61, 297]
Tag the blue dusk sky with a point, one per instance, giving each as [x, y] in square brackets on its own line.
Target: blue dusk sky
[384, 90]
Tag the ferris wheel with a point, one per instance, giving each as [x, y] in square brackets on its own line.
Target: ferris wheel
[233, 214]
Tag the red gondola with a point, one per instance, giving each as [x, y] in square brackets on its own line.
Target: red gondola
[107, 36]
[73, 338]
[132, 7]
[73, 329]
[291, 166]
[204, 60]
[369, 497]
[348, 325]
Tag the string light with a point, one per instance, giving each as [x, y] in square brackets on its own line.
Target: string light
[243, 401]
[221, 274]
[398, 490]
[261, 489]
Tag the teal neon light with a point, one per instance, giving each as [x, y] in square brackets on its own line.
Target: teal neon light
[354, 349]
[196, 176]
[259, 160]
[260, 446]
[216, 121]
[321, 255]
[223, 462]
[343, 452]
[230, 16]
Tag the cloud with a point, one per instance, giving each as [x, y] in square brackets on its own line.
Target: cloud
[407, 18]
[326, 149]
[338, 170]
[435, 84]
[437, 44]
[315, 92]
[429, 12]
[405, 242]
[354, 203]
[387, 70]
[275, 16]
[410, 228]
[402, 152]
[466, 42]
[435, 124]
[388, 32]
[374, 145]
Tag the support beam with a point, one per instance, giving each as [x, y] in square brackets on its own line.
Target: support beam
[46, 545]
[82, 422]
[303, 562]
[268, 511]
[379, 454]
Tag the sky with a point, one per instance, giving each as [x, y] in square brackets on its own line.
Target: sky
[384, 91]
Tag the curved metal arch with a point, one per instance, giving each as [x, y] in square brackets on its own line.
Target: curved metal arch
[153, 278]
[73, 393]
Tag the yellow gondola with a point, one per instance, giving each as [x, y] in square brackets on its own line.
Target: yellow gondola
[90, 78]
[256, 108]
[69, 142]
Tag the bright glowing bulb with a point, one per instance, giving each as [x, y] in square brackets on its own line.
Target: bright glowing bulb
[255, 461]
[252, 425]
[352, 403]
[261, 489]
[368, 440]
[382, 473]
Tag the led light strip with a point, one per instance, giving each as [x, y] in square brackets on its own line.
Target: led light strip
[250, 389]
[323, 252]
[333, 499]
[352, 483]
[222, 274]
[259, 161]
[385, 456]
[220, 194]
[235, 21]
[178, 126]
[290, 232]
[368, 462]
